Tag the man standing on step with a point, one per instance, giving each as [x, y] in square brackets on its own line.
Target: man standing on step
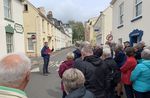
[45, 53]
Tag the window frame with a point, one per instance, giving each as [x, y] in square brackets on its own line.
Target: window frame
[8, 8]
[121, 13]
[9, 42]
[136, 8]
[29, 46]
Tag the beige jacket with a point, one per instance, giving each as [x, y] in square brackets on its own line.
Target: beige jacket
[6, 92]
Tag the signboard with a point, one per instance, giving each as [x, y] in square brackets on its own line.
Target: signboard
[18, 28]
[109, 37]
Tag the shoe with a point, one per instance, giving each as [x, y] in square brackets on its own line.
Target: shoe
[48, 73]
[45, 74]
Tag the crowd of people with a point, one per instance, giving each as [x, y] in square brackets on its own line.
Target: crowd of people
[88, 72]
[106, 71]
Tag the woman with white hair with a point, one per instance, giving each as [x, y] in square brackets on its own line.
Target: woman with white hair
[68, 63]
[73, 81]
[14, 75]
[140, 76]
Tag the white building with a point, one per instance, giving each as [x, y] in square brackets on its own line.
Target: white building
[11, 26]
[68, 32]
[131, 21]
[103, 26]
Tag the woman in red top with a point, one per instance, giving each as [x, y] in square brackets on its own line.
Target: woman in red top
[126, 70]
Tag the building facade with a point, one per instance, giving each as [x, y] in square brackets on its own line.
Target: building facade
[130, 21]
[90, 34]
[103, 26]
[12, 29]
[40, 28]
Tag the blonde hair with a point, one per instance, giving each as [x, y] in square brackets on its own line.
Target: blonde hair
[73, 79]
[70, 55]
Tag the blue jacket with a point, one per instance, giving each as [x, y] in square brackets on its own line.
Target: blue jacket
[141, 76]
[44, 53]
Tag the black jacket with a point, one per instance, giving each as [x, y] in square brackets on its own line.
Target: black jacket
[80, 93]
[104, 86]
[77, 54]
[88, 67]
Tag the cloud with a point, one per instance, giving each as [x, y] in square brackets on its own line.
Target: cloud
[79, 10]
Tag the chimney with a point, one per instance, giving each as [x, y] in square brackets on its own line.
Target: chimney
[50, 15]
[42, 10]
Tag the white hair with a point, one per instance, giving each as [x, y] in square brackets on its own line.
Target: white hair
[107, 52]
[11, 74]
[146, 54]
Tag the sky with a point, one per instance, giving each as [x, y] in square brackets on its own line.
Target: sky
[78, 10]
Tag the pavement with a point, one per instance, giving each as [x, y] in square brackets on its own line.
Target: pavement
[46, 86]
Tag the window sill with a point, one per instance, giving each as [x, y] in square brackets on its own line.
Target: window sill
[25, 11]
[30, 51]
[136, 18]
[120, 26]
[10, 20]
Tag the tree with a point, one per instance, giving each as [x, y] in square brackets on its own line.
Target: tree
[78, 30]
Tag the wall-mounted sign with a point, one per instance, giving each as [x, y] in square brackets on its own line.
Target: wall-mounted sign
[109, 37]
[18, 28]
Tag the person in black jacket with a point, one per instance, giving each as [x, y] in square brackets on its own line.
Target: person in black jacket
[73, 81]
[107, 75]
[88, 65]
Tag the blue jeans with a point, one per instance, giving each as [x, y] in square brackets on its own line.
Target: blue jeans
[142, 94]
[45, 66]
[129, 91]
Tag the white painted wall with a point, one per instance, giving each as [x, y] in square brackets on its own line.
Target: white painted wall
[17, 17]
[104, 24]
[141, 24]
[2, 31]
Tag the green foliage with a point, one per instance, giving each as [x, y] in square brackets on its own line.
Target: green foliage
[78, 30]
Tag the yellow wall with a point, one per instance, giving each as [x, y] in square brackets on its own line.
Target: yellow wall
[35, 23]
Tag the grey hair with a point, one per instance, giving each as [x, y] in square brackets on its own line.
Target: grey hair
[73, 79]
[84, 43]
[146, 54]
[12, 74]
[87, 49]
[106, 52]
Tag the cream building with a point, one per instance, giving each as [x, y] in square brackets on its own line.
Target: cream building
[40, 28]
[90, 34]
[11, 24]
[131, 21]
[103, 26]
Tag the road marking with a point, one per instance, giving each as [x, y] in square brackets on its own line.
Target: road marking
[35, 69]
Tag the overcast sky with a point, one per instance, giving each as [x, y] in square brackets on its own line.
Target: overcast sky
[79, 10]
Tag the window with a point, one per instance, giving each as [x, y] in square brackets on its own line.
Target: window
[30, 44]
[25, 7]
[7, 9]
[138, 7]
[121, 8]
[43, 26]
[9, 42]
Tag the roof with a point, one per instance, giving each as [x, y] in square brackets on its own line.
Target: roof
[112, 2]
[101, 13]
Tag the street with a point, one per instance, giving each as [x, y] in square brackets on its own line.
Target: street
[46, 86]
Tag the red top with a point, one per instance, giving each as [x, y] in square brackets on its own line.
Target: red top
[126, 70]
